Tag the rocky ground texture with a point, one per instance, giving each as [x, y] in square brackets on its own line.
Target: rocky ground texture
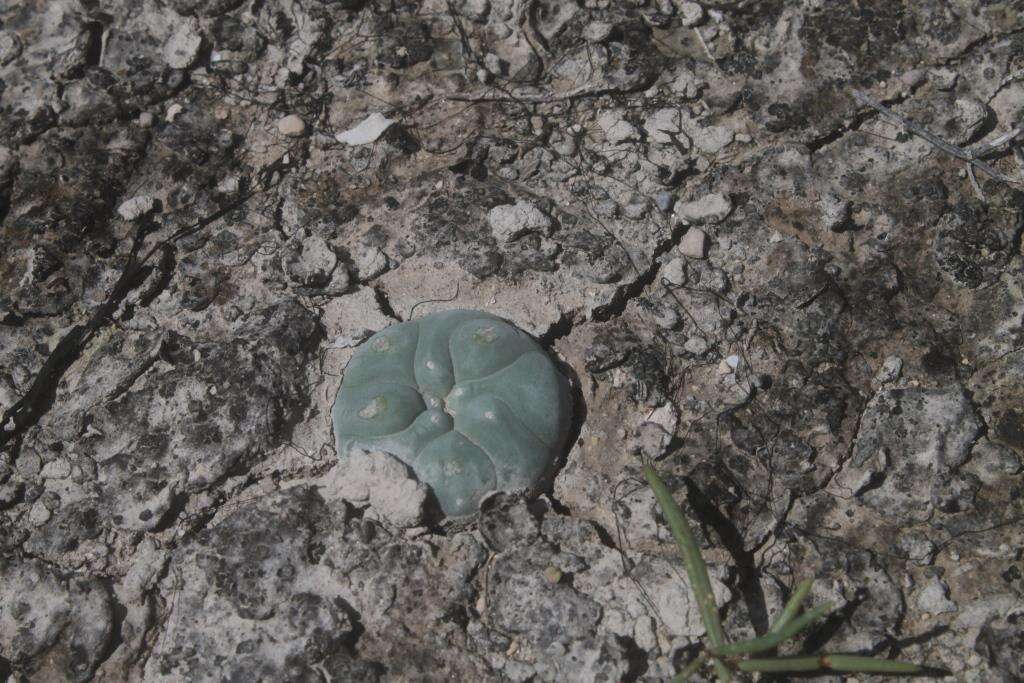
[810, 318]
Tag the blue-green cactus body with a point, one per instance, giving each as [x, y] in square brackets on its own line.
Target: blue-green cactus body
[469, 402]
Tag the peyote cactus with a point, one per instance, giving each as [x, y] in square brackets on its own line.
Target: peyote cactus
[469, 402]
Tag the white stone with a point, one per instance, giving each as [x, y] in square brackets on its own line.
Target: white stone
[711, 208]
[369, 130]
[696, 345]
[10, 47]
[136, 207]
[835, 211]
[597, 31]
[650, 440]
[229, 185]
[645, 633]
[889, 372]
[56, 469]
[39, 514]
[494, 64]
[617, 129]
[711, 139]
[690, 13]
[674, 273]
[146, 119]
[291, 126]
[694, 243]
[382, 481]
[182, 48]
[173, 111]
[511, 221]
[309, 262]
[665, 415]
[686, 84]
[665, 127]
[369, 262]
[932, 598]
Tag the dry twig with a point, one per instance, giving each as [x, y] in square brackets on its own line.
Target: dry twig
[911, 127]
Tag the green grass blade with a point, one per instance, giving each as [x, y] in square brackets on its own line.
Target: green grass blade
[691, 668]
[696, 570]
[780, 664]
[844, 663]
[793, 606]
[721, 670]
[770, 640]
[861, 664]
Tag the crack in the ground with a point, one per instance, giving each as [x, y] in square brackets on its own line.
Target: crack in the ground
[815, 145]
[115, 639]
[632, 290]
[37, 401]
[384, 302]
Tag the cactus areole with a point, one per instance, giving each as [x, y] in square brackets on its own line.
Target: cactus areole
[471, 403]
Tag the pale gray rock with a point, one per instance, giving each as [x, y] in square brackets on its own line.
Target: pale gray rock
[933, 597]
[690, 13]
[309, 262]
[616, 128]
[381, 481]
[673, 274]
[888, 372]
[665, 127]
[291, 126]
[369, 262]
[711, 208]
[136, 207]
[598, 32]
[182, 48]
[508, 222]
[650, 440]
[694, 243]
[52, 626]
[10, 47]
[924, 434]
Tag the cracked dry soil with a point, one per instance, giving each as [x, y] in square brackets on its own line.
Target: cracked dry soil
[811, 318]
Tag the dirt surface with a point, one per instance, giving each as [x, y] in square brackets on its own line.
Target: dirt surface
[810, 317]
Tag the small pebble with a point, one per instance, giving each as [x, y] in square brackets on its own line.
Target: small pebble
[711, 208]
[597, 31]
[696, 345]
[694, 243]
[690, 13]
[291, 126]
[182, 48]
[136, 207]
[39, 514]
[674, 273]
[728, 365]
[56, 469]
[511, 221]
[173, 111]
